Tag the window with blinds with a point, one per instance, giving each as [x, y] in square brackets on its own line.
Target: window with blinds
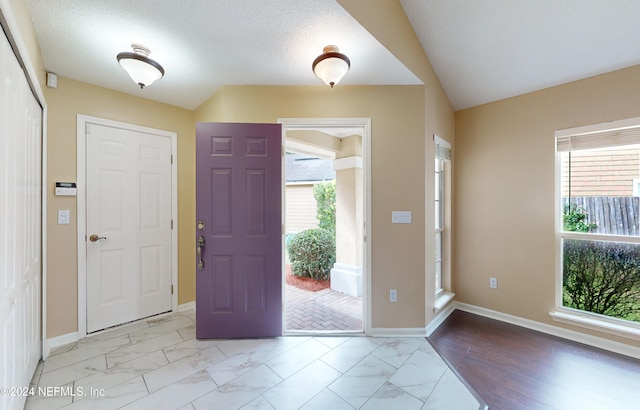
[598, 177]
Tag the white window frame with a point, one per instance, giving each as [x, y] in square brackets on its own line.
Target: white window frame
[617, 132]
[440, 225]
[443, 294]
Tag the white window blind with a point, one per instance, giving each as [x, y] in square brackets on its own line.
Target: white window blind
[599, 139]
[443, 148]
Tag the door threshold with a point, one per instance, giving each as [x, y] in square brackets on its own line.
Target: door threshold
[325, 333]
[130, 323]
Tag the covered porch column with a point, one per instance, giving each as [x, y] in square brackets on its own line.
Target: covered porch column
[346, 275]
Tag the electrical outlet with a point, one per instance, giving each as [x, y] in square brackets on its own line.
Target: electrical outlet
[393, 295]
[493, 283]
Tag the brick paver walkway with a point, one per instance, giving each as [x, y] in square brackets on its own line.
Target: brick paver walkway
[323, 310]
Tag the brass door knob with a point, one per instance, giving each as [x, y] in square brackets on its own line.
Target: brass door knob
[96, 238]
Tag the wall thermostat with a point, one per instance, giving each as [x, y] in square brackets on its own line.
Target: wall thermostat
[66, 188]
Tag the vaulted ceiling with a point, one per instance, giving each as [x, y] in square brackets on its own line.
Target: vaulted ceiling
[481, 51]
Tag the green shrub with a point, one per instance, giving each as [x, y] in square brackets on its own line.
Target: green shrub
[325, 195]
[312, 253]
[602, 277]
[574, 219]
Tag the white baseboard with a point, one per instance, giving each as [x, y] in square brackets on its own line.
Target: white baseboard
[440, 318]
[74, 336]
[57, 341]
[187, 306]
[62, 339]
[572, 335]
[398, 332]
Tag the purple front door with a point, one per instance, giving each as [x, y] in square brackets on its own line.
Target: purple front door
[238, 230]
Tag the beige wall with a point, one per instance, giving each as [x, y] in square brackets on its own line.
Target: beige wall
[388, 23]
[503, 182]
[64, 103]
[505, 186]
[28, 36]
[403, 258]
[397, 149]
[403, 118]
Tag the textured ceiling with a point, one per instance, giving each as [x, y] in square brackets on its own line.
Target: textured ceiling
[481, 50]
[488, 50]
[204, 44]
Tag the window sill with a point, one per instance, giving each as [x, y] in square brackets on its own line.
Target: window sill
[442, 299]
[594, 322]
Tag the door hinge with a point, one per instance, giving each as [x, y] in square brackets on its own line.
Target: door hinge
[171, 159]
[172, 224]
[172, 289]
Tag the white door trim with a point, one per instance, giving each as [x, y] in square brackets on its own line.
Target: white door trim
[82, 121]
[365, 124]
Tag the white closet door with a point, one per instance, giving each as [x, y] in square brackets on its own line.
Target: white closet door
[20, 228]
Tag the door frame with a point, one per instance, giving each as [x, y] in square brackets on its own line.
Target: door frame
[81, 199]
[9, 23]
[365, 125]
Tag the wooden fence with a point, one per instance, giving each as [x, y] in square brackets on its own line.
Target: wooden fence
[615, 215]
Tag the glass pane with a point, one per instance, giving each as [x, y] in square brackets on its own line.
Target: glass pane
[602, 277]
[438, 216]
[438, 276]
[438, 246]
[600, 191]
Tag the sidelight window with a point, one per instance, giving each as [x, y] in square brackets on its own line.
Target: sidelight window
[442, 216]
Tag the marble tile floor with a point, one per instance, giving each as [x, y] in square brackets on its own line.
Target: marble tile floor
[158, 364]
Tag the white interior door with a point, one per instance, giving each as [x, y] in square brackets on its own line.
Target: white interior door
[128, 236]
[20, 229]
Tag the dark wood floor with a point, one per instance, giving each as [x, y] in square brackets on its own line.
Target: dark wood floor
[511, 367]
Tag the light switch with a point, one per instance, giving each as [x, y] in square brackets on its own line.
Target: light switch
[401, 217]
[63, 216]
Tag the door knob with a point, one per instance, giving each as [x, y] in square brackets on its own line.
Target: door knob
[96, 238]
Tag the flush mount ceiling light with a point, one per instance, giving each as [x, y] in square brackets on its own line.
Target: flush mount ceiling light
[142, 70]
[331, 66]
